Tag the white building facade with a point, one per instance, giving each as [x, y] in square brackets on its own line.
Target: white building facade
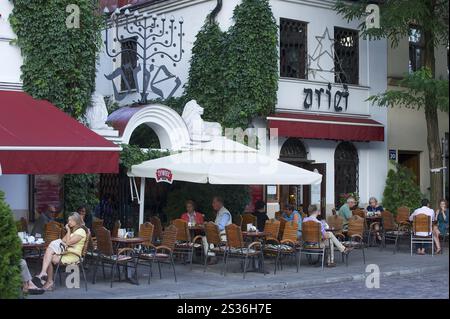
[323, 119]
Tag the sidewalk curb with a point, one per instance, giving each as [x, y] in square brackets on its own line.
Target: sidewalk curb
[290, 285]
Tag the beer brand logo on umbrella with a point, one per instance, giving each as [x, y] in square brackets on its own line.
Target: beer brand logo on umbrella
[164, 175]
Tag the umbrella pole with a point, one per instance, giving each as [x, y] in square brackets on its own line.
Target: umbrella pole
[141, 201]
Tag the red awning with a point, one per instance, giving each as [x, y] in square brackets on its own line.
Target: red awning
[38, 138]
[327, 127]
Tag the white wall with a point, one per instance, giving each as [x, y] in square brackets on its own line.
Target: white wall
[15, 188]
[10, 57]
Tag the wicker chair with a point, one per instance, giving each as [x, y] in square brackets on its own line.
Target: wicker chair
[106, 255]
[115, 230]
[312, 241]
[52, 231]
[422, 224]
[215, 244]
[146, 232]
[247, 219]
[236, 248]
[277, 215]
[162, 254]
[282, 225]
[157, 231]
[184, 245]
[355, 236]
[389, 230]
[336, 222]
[96, 223]
[403, 226]
[287, 246]
[79, 262]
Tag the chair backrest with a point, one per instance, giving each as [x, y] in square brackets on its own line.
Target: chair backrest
[86, 242]
[146, 232]
[335, 221]
[234, 236]
[421, 223]
[169, 237]
[182, 229]
[53, 231]
[157, 230]
[115, 230]
[290, 231]
[402, 214]
[272, 228]
[388, 220]
[212, 233]
[104, 243]
[311, 232]
[282, 225]
[355, 226]
[247, 219]
[359, 212]
[96, 223]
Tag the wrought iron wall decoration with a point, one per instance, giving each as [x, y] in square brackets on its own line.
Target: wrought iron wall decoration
[152, 36]
[339, 98]
[321, 50]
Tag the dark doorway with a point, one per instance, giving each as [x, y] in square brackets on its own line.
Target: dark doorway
[411, 160]
[346, 173]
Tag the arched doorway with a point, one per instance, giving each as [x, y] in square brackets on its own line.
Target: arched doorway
[346, 170]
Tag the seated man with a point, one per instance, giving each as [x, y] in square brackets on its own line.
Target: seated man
[328, 238]
[345, 211]
[291, 214]
[191, 216]
[43, 219]
[425, 210]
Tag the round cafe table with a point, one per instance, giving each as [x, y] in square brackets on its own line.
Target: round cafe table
[34, 247]
[127, 242]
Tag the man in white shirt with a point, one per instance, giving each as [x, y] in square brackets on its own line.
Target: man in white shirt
[425, 210]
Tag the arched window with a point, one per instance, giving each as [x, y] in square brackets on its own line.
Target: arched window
[346, 174]
[293, 149]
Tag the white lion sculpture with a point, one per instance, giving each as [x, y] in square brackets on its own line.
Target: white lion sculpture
[199, 130]
[97, 114]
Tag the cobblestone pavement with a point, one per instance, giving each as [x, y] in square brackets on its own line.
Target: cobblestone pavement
[427, 286]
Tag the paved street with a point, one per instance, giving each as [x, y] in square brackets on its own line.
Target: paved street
[402, 276]
[429, 286]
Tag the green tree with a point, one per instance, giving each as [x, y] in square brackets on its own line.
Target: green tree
[421, 89]
[205, 82]
[10, 253]
[251, 61]
[59, 62]
[401, 189]
[80, 189]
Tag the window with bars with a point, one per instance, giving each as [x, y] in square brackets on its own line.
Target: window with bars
[293, 49]
[128, 63]
[346, 56]
[416, 49]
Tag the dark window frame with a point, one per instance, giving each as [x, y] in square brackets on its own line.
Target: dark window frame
[414, 47]
[128, 57]
[347, 70]
[289, 69]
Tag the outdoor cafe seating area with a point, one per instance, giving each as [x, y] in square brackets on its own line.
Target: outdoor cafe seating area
[113, 254]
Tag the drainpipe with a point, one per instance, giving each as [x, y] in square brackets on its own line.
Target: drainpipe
[215, 12]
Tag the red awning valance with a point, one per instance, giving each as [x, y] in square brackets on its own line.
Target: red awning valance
[38, 138]
[327, 127]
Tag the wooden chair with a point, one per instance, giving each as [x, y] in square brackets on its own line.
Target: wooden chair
[422, 224]
[184, 245]
[287, 246]
[282, 225]
[355, 236]
[106, 255]
[272, 228]
[162, 254]
[96, 223]
[80, 259]
[115, 230]
[237, 248]
[336, 222]
[52, 231]
[312, 241]
[359, 212]
[247, 219]
[215, 245]
[362, 213]
[403, 224]
[157, 231]
[389, 230]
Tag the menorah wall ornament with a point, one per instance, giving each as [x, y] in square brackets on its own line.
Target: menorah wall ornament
[153, 36]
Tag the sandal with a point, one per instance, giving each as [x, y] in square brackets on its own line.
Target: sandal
[49, 288]
[37, 281]
[438, 251]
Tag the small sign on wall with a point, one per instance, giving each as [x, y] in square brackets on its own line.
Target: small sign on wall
[393, 155]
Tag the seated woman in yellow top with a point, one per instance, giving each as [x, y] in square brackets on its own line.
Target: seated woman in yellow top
[73, 241]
